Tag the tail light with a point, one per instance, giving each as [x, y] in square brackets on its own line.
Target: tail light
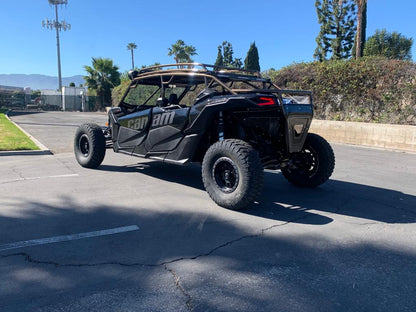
[266, 100]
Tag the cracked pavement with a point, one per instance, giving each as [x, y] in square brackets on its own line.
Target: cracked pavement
[346, 246]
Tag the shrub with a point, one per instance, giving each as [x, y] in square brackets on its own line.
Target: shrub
[118, 92]
[370, 89]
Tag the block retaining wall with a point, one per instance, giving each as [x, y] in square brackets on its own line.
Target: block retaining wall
[396, 137]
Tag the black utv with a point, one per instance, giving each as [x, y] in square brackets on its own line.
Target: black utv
[233, 122]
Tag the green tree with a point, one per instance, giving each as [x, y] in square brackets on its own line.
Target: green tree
[322, 40]
[35, 94]
[219, 61]
[182, 52]
[391, 45]
[237, 63]
[225, 56]
[101, 78]
[188, 52]
[72, 84]
[251, 61]
[132, 46]
[337, 32]
[227, 53]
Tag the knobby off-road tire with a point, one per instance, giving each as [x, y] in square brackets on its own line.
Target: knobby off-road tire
[89, 145]
[313, 165]
[232, 174]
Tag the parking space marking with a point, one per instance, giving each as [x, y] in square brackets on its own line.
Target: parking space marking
[54, 176]
[42, 177]
[65, 238]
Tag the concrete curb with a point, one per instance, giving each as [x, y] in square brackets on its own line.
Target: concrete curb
[43, 149]
[391, 137]
[25, 153]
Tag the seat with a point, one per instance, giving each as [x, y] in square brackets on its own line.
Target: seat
[173, 98]
[162, 102]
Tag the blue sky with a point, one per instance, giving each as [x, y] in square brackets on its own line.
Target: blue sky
[284, 31]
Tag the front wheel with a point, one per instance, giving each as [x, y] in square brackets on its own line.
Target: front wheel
[232, 174]
[89, 145]
[313, 165]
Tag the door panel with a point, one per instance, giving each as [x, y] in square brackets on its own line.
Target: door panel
[165, 130]
[133, 129]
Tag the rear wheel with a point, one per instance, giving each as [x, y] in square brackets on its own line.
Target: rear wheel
[232, 174]
[89, 145]
[313, 165]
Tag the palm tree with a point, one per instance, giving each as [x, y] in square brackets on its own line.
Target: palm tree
[132, 46]
[361, 21]
[188, 52]
[177, 50]
[182, 52]
[102, 77]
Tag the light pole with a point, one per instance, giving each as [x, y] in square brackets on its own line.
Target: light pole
[58, 25]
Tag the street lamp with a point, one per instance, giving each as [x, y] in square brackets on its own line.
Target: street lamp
[58, 25]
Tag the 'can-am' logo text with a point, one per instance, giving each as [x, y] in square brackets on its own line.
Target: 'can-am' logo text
[163, 119]
[158, 120]
[138, 123]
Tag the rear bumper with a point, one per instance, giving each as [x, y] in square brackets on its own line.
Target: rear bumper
[298, 121]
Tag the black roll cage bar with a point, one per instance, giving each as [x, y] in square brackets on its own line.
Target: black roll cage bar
[217, 74]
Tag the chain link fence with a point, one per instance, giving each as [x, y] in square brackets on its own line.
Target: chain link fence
[13, 100]
[20, 100]
[67, 103]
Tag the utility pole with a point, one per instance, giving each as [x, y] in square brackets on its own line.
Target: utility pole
[58, 25]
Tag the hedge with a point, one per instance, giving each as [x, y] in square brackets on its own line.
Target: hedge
[371, 89]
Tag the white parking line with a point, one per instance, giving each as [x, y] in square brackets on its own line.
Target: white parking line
[65, 238]
[53, 176]
[41, 177]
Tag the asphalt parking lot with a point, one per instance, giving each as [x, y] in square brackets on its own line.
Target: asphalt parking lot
[138, 235]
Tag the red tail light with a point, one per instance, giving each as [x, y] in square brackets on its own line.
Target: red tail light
[266, 100]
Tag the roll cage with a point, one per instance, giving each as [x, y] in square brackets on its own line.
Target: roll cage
[227, 80]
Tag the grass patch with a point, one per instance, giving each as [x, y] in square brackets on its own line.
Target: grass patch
[12, 138]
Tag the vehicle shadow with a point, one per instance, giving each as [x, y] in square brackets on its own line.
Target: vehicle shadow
[282, 201]
[340, 197]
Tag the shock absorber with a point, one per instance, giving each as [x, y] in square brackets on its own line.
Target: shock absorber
[220, 127]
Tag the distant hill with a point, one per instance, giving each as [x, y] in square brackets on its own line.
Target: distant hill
[37, 82]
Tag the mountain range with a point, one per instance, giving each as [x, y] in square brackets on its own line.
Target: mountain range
[38, 82]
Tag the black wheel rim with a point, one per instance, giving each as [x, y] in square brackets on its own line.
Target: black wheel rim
[84, 145]
[306, 162]
[225, 174]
